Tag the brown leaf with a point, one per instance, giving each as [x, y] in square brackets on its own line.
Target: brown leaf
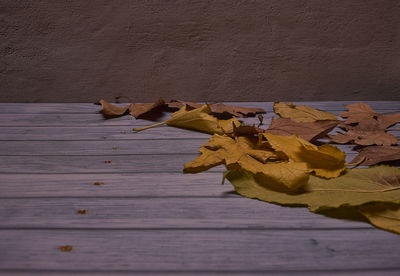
[364, 138]
[376, 154]
[309, 131]
[112, 110]
[367, 119]
[136, 110]
[237, 111]
[98, 183]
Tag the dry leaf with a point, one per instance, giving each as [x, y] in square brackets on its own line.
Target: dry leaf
[243, 152]
[355, 188]
[364, 138]
[302, 113]
[326, 160]
[367, 119]
[237, 111]
[284, 162]
[309, 131]
[384, 216]
[197, 119]
[98, 183]
[136, 110]
[112, 110]
[373, 193]
[376, 154]
[65, 248]
[83, 212]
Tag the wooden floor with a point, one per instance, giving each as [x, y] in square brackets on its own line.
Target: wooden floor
[147, 218]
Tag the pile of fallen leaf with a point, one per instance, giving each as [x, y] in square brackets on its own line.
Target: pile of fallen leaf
[287, 165]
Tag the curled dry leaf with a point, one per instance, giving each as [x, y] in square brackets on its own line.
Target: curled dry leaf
[366, 118]
[364, 138]
[284, 162]
[302, 113]
[376, 154]
[197, 119]
[237, 111]
[135, 109]
[309, 131]
[112, 110]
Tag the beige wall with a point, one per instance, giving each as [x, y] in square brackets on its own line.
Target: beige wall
[80, 51]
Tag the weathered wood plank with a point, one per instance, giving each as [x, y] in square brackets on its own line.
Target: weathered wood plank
[99, 164]
[161, 213]
[196, 250]
[119, 147]
[63, 108]
[97, 120]
[96, 133]
[114, 185]
[105, 133]
[338, 272]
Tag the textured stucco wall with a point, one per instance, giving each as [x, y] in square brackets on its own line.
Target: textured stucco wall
[81, 50]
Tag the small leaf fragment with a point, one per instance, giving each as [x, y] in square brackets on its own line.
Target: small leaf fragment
[83, 212]
[65, 248]
[97, 183]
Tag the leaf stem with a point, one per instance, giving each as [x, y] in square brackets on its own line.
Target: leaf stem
[151, 126]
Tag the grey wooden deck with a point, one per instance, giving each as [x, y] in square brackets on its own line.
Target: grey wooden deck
[149, 218]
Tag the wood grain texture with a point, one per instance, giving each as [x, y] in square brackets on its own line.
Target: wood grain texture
[224, 212]
[196, 250]
[106, 133]
[147, 217]
[110, 148]
[99, 164]
[114, 185]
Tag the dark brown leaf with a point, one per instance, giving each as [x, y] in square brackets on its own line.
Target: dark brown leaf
[376, 154]
[309, 131]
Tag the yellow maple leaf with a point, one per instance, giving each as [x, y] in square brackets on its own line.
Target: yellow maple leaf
[245, 153]
[326, 160]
